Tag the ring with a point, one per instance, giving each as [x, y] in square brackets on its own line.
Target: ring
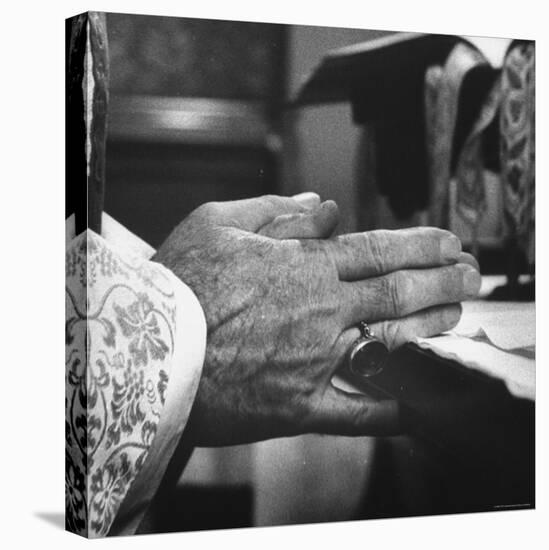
[365, 330]
[368, 354]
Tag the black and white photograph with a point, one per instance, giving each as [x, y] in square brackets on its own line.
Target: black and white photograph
[300, 274]
[272, 275]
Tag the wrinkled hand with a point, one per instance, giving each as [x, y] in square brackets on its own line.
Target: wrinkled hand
[319, 222]
[281, 312]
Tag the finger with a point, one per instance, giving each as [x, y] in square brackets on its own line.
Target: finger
[252, 214]
[361, 255]
[319, 223]
[308, 199]
[423, 324]
[404, 292]
[466, 258]
[344, 413]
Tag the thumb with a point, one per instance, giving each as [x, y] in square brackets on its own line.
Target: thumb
[252, 214]
[308, 199]
[319, 223]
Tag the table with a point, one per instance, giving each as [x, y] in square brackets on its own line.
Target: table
[468, 445]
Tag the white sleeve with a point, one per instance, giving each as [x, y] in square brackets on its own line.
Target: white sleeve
[135, 344]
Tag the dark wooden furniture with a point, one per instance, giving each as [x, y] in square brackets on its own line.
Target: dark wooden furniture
[194, 116]
[166, 156]
[468, 445]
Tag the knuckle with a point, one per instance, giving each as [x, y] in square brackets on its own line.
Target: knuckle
[376, 249]
[209, 211]
[396, 291]
[270, 199]
[277, 203]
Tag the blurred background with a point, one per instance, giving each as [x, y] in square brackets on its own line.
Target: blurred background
[197, 113]
[199, 110]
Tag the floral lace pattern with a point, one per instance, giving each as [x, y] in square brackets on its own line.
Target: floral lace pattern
[120, 326]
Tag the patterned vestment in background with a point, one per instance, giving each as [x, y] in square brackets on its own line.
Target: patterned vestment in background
[471, 200]
[442, 92]
[507, 100]
[517, 127]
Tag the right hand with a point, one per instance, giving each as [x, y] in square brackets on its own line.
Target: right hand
[320, 222]
[282, 314]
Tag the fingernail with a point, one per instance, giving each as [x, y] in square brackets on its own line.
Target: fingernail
[466, 258]
[307, 199]
[471, 280]
[450, 247]
[328, 206]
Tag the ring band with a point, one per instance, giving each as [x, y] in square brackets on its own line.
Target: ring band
[367, 355]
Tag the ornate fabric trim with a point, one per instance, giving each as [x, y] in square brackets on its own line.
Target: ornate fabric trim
[121, 325]
[470, 175]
